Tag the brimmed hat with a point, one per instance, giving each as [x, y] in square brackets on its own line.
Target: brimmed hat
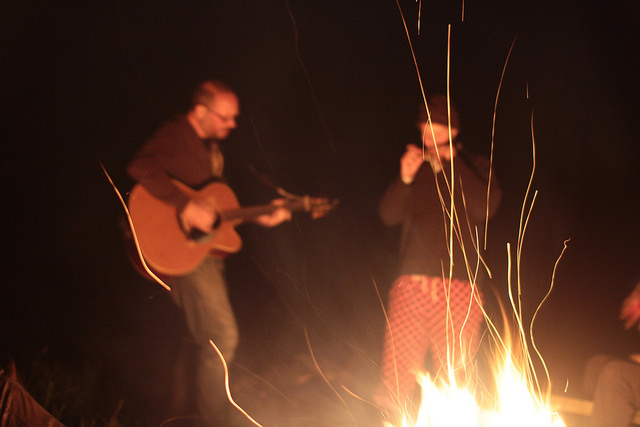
[438, 111]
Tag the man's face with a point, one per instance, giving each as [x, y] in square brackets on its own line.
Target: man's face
[220, 118]
[438, 139]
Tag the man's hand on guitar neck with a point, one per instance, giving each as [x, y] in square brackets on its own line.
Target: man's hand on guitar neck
[198, 215]
[276, 217]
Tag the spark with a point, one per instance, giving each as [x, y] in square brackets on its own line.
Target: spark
[493, 131]
[226, 386]
[323, 375]
[296, 37]
[133, 233]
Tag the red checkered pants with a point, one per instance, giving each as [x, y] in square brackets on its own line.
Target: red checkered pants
[421, 322]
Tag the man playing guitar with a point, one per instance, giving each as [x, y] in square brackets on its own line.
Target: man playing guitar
[186, 151]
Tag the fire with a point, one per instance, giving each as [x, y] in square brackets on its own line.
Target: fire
[447, 404]
[517, 403]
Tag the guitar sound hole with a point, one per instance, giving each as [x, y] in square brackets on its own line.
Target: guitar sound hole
[218, 221]
[198, 236]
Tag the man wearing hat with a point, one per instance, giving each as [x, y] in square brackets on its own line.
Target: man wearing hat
[434, 304]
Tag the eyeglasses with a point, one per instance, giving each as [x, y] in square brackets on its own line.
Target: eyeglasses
[224, 119]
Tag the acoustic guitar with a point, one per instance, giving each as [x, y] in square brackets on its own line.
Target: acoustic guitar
[169, 248]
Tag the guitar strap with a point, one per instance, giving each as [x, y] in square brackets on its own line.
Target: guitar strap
[217, 159]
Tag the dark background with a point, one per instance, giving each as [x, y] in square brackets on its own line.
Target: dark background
[328, 91]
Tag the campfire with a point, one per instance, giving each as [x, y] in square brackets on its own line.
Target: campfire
[516, 398]
[515, 402]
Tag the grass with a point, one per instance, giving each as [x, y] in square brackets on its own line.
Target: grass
[77, 394]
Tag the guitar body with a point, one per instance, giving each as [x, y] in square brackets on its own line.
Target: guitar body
[166, 247]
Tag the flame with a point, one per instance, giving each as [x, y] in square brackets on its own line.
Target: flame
[450, 405]
[515, 401]
[446, 405]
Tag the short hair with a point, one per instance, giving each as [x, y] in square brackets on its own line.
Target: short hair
[206, 92]
[439, 112]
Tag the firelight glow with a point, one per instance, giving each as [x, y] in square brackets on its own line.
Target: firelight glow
[450, 405]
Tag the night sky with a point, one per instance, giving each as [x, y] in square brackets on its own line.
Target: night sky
[328, 94]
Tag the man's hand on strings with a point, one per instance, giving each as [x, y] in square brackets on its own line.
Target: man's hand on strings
[198, 215]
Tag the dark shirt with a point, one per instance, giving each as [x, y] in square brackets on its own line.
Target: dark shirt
[174, 151]
[423, 215]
